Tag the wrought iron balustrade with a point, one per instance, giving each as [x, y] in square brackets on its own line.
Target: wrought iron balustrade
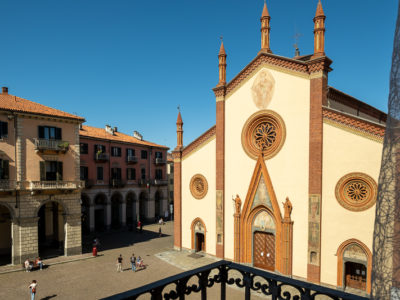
[228, 273]
[101, 157]
[52, 145]
[56, 185]
[160, 161]
[160, 182]
[131, 159]
[7, 185]
[117, 183]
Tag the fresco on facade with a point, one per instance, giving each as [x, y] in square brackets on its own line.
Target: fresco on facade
[313, 237]
[263, 221]
[263, 89]
[262, 195]
[354, 251]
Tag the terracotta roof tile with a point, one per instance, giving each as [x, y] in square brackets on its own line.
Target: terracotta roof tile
[100, 133]
[354, 122]
[17, 104]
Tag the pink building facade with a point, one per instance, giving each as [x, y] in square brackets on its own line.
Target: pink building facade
[125, 177]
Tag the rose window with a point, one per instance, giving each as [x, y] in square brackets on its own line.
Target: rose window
[263, 134]
[198, 186]
[356, 191]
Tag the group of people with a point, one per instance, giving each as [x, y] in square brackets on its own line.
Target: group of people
[29, 265]
[136, 263]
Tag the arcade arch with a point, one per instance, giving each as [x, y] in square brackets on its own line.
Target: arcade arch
[100, 202]
[5, 234]
[131, 208]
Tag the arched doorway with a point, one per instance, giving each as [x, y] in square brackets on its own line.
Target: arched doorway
[130, 208]
[142, 206]
[264, 245]
[85, 210]
[100, 202]
[116, 201]
[157, 205]
[5, 236]
[198, 235]
[51, 234]
[354, 265]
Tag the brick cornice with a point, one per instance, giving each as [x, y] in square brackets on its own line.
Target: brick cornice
[219, 91]
[352, 122]
[302, 67]
[198, 142]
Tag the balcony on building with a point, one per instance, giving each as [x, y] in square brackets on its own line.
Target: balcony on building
[44, 145]
[54, 185]
[160, 161]
[117, 183]
[160, 182]
[131, 159]
[143, 182]
[7, 185]
[101, 157]
[88, 183]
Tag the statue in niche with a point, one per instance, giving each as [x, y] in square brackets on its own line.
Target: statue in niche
[238, 204]
[263, 89]
[288, 208]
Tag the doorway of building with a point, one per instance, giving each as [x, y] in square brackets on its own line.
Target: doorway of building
[355, 275]
[51, 234]
[5, 236]
[199, 243]
[264, 250]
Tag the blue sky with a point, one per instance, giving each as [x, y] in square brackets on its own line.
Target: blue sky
[130, 63]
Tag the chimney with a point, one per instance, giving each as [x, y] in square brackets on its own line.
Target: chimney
[109, 129]
[5, 90]
[137, 135]
[115, 129]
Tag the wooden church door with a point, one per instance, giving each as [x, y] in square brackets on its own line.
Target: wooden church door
[264, 250]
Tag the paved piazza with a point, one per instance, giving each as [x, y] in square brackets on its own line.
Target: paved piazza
[96, 278]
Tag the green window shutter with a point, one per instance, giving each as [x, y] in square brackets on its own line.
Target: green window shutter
[59, 170]
[42, 170]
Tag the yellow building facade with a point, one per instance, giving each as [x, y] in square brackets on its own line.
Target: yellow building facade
[287, 178]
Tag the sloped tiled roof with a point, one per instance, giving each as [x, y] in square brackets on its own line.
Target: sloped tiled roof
[17, 104]
[100, 133]
[354, 122]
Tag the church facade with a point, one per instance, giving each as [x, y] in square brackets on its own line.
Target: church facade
[286, 180]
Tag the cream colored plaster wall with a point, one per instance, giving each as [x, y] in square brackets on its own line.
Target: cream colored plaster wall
[288, 169]
[31, 132]
[344, 153]
[200, 162]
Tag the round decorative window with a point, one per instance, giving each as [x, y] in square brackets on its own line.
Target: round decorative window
[356, 191]
[264, 132]
[198, 186]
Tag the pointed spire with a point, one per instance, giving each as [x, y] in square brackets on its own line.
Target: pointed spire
[179, 131]
[320, 11]
[319, 31]
[265, 12]
[222, 64]
[265, 29]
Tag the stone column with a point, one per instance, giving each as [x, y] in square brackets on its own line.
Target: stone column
[91, 218]
[108, 216]
[73, 235]
[123, 213]
[25, 239]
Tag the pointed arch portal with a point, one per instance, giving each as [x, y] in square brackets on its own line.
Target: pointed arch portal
[265, 237]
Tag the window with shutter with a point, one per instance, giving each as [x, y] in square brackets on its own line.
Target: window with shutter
[42, 166]
[4, 169]
[3, 130]
[59, 170]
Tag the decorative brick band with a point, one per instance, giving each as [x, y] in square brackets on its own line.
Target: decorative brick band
[199, 141]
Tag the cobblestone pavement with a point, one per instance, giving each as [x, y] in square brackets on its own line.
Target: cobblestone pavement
[97, 278]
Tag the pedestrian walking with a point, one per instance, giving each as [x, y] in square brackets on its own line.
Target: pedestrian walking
[133, 262]
[119, 263]
[32, 288]
[140, 227]
[159, 232]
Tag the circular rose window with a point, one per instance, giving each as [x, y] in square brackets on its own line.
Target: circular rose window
[356, 191]
[198, 186]
[264, 132]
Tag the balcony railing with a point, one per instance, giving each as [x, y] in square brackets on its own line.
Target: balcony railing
[7, 185]
[101, 157]
[131, 159]
[160, 182]
[160, 161]
[228, 273]
[56, 185]
[51, 145]
[117, 183]
[144, 181]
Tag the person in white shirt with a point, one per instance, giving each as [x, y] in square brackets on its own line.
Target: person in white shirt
[32, 288]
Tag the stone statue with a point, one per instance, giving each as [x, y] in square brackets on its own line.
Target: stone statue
[238, 204]
[288, 208]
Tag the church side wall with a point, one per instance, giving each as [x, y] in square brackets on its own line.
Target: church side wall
[343, 153]
[288, 169]
[200, 161]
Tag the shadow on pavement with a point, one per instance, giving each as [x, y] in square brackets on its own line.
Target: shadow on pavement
[48, 297]
[118, 239]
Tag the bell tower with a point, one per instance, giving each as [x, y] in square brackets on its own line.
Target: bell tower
[319, 31]
[265, 29]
